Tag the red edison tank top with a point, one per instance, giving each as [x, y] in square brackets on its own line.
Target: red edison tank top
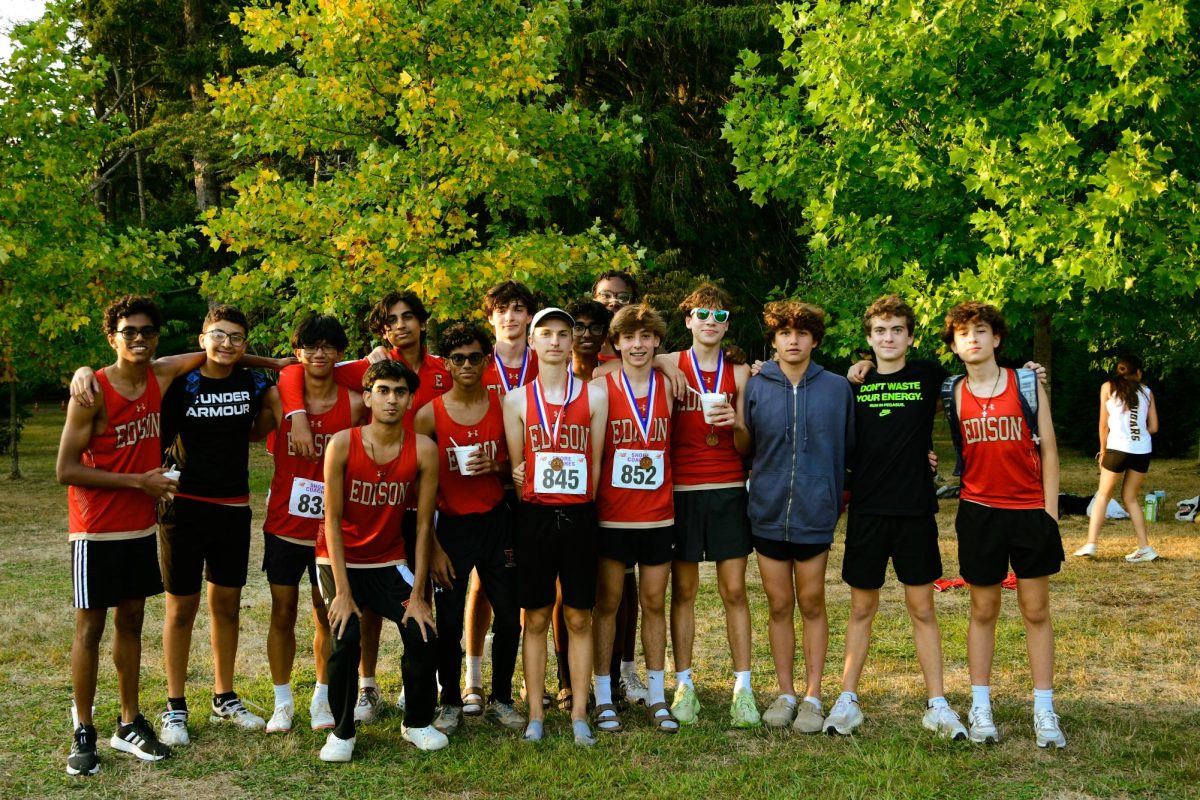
[621, 507]
[699, 465]
[460, 494]
[574, 436]
[1002, 463]
[289, 466]
[374, 499]
[129, 444]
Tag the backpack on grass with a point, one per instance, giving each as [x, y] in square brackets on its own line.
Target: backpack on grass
[1027, 392]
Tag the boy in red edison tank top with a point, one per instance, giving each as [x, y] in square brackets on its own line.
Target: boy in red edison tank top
[1008, 512]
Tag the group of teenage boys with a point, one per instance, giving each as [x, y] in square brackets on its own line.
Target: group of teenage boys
[548, 469]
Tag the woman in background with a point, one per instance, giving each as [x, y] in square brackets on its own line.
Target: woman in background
[1128, 417]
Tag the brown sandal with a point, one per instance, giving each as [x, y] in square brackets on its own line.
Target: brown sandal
[600, 721]
[565, 698]
[663, 722]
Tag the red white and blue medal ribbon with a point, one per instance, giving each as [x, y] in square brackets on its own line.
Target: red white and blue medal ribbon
[642, 422]
[504, 384]
[540, 401]
[699, 375]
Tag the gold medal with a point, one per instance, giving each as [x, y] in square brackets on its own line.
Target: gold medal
[646, 463]
[711, 440]
[556, 464]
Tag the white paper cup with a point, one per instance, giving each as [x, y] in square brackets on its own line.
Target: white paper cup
[172, 474]
[709, 401]
[462, 455]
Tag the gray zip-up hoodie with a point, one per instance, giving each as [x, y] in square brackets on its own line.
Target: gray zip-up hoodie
[802, 437]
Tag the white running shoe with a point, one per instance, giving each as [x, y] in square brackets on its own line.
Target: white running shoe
[281, 720]
[320, 714]
[1087, 550]
[235, 711]
[983, 729]
[1045, 725]
[844, 717]
[427, 738]
[943, 721]
[173, 729]
[337, 750]
[367, 707]
[1142, 555]
[631, 685]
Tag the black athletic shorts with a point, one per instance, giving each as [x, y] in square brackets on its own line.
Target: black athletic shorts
[711, 525]
[206, 541]
[556, 543]
[910, 542]
[286, 562]
[1117, 461]
[105, 572]
[989, 538]
[788, 551]
[646, 546]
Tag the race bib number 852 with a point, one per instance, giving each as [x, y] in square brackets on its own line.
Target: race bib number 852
[308, 499]
[637, 469]
[560, 473]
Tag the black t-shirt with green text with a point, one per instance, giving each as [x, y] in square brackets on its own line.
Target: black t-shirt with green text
[894, 424]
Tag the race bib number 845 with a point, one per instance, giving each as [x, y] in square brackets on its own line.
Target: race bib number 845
[560, 473]
[308, 499]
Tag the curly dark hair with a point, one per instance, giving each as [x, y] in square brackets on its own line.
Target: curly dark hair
[969, 313]
[460, 334]
[794, 314]
[890, 305]
[127, 306]
[597, 312]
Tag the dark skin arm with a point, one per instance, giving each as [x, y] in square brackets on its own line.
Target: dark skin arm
[82, 422]
[342, 607]
[440, 569]
[418, 609]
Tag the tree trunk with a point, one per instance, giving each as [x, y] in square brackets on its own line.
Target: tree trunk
[14, 431]
[1043, 352]
[205, 177]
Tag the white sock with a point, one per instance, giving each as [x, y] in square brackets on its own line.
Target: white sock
[741, 681]
[816, 701]
[1043, 700]
[981, 696]
[846, 696]
[656, 684]
[321, 693]
[938, 702]
[474, 670]
[684, 678]
[283, 694]
[367, 683]
[603, 689]
[790, 699]
[628, 668]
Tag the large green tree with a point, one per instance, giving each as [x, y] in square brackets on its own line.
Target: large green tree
[420, 145]
[60, 260]
[1040, 154]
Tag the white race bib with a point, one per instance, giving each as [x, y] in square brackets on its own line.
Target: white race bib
[637, 469]
[308, 499]
[559, 473]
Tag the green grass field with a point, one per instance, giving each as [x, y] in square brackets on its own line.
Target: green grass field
[1128, 690]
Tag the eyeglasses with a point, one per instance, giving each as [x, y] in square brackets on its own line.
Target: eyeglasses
[327, 349]
[218, 336]
[130, 333]
[606, 296]
[595, 329]
[458, 359]
[718, 315]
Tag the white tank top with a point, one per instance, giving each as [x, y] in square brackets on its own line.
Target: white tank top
[1127, 429]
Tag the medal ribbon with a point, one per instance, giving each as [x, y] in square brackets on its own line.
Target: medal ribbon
[696, 369]
[643, 424]
[540, 402]
[505, 386]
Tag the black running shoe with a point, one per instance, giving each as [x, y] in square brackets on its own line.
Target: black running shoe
[83, 758]
[137, 738]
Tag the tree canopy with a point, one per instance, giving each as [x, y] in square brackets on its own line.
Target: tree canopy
[1041, 155]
